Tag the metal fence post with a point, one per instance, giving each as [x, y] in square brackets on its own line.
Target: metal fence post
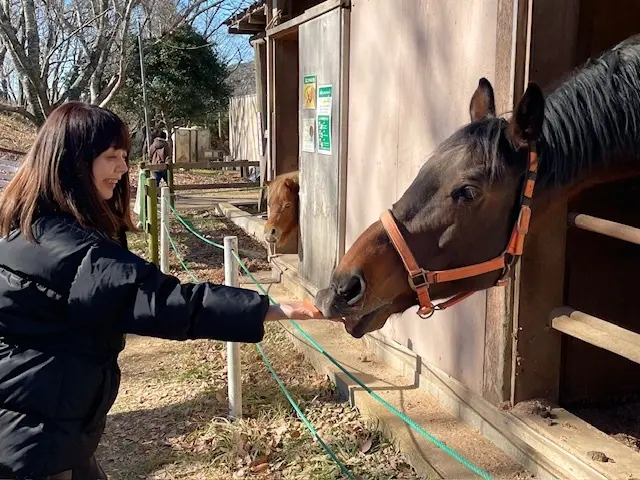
[152, 219]
[234, 376]
[164, 229]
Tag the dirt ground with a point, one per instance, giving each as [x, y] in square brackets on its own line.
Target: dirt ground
[15, 132]
[170, 420]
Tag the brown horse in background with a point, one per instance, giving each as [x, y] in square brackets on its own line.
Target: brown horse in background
[465, 214]
[281, 228]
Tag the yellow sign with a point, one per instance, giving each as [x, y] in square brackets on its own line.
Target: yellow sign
[309, 92]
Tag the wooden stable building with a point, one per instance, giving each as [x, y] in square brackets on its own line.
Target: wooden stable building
[357, 94]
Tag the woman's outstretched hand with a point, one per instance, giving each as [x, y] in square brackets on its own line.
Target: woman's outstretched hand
[293, 311]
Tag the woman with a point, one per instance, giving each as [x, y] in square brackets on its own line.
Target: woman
[70, 291]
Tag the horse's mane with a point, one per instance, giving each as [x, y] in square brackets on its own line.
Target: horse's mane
[594, 115]
[591, 117]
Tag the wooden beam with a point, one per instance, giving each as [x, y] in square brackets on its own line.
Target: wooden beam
[157, 167]
[597, 332]
[250, 27]
[12, 151]
[243, 31]
[258, 19]
[604, 227]
[309, 14]
[216, 186]
[216, 165]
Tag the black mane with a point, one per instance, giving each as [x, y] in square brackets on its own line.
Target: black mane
[593, 116]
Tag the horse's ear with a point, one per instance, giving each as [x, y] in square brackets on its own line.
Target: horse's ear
[291, 185]
[483, 103]
[526, 123]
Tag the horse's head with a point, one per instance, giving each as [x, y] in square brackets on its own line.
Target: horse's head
[458, 211]
[281, 227]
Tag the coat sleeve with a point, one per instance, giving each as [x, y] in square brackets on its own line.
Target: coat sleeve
[121, 291]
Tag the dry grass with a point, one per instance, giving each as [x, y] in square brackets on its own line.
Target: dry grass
[15, 132]
[170, 419]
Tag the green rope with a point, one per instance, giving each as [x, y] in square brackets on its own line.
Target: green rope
[301, 415]
[179, 257]
[451, 452]
[277, 378]
[401, 415]
[191, 229]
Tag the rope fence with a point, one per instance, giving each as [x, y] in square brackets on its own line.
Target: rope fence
[232, 262]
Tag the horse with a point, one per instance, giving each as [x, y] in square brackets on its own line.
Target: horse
[281, 227]
[461, 224]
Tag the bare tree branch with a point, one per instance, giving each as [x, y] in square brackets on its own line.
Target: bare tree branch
[109, 92]
[55, 50]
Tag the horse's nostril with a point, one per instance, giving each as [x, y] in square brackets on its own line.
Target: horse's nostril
[352, 289]
[273, 231]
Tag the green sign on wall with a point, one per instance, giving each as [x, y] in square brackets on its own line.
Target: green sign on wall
[325, 99]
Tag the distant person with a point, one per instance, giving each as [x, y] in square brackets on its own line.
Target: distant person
[160, 153]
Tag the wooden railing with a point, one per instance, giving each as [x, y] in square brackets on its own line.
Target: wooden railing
[585, 327]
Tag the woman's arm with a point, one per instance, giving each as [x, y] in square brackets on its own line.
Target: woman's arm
[116, 289]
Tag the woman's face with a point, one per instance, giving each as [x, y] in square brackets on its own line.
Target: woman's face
[108, 169]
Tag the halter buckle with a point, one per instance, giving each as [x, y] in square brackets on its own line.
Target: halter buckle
[421, 278]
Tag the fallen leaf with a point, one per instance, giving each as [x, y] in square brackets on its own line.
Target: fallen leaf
[259, 468]
[259, 461]
[366, 446]
[280, 430]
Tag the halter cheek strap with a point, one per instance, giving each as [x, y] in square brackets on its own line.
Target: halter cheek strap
[419, 278]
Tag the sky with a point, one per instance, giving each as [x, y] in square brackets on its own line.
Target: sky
[233, 48]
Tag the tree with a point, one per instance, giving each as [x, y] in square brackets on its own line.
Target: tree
[52, 51]
[184, 80]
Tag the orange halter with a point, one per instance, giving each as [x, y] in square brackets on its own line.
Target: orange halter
[420, 279]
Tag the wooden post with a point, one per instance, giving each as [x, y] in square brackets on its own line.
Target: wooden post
[172, 193]
[234, 377]
[152, 216]
[164, 229]
[144, 210]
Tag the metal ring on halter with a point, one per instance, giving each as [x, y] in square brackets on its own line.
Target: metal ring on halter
[426, 312]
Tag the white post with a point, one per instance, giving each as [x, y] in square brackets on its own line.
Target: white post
[165, 194]
[234, 377]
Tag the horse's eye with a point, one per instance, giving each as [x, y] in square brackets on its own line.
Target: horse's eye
[466, 193]
[287, 205]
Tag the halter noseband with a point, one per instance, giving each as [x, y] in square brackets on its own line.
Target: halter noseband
[419, 278]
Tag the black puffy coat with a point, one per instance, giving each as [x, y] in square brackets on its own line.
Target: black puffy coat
[66, 304]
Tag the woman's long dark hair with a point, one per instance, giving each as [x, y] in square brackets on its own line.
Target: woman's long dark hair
[56, 175]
